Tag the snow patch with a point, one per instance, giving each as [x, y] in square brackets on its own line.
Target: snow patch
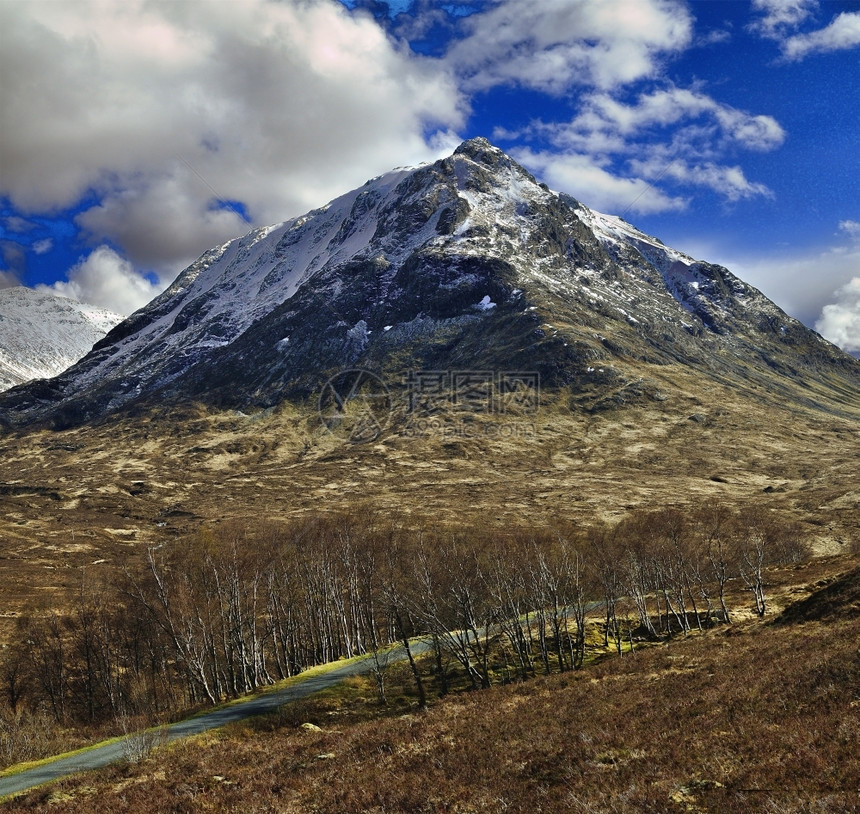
[359, 333]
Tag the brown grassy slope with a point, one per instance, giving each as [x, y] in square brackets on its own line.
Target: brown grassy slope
[838, 598]
[84, 499]
[757, 717]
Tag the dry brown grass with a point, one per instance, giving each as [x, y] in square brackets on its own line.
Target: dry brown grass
[758, 717]
[87, 498]
[768, 713]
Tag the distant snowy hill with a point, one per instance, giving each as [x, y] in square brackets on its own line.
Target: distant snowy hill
[42, 334]
[466, 264]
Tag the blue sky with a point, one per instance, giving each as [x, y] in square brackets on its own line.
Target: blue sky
[136, 135]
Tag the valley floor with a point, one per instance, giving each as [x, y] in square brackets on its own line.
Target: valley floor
[91, 498]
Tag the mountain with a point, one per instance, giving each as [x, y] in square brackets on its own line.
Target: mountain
[42, 334]
[465, 264]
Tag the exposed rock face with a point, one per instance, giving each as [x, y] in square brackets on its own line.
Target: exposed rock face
[467, 263]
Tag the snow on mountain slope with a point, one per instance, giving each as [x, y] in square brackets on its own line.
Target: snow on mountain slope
[399, 275]
[42, 334]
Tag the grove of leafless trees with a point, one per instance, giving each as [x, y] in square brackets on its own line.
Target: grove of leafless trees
[240, 606]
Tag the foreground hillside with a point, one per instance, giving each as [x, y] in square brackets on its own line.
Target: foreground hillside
[757, 716]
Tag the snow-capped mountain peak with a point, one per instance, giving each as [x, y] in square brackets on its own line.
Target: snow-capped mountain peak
[42, 334]
[401, 273]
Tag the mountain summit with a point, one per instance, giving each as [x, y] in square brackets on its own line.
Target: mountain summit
[467, 263]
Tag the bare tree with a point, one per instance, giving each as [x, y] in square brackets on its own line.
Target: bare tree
[716, 524]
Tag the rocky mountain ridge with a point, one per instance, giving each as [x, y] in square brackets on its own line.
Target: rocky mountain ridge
[468, 264]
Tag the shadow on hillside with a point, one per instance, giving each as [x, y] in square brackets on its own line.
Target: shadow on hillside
[839, 599]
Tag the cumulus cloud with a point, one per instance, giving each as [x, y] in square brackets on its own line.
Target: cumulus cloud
[161, 111]
[843, 32]
[583, 177]
[781, 20]
[603, 118]
[729, 181]
[777, 16]
[106, 279]
[840, 320]
[552, 46]
[801, 283]
[153, 220]
[613, 150]
[43, 246]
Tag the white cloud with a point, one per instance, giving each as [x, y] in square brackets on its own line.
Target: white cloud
[851, 228]
[715, 37]
[43, 246]
[752, 132]
[583, 177]
[781, 20]
[842, 33]
[162, 223]
[279, 105]
[106, 279]
[552, 46]
[801, 283]
[15, 223]
[603, 119]
[612, 149]
[780, 15]
[840, 320]
[729, 182]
